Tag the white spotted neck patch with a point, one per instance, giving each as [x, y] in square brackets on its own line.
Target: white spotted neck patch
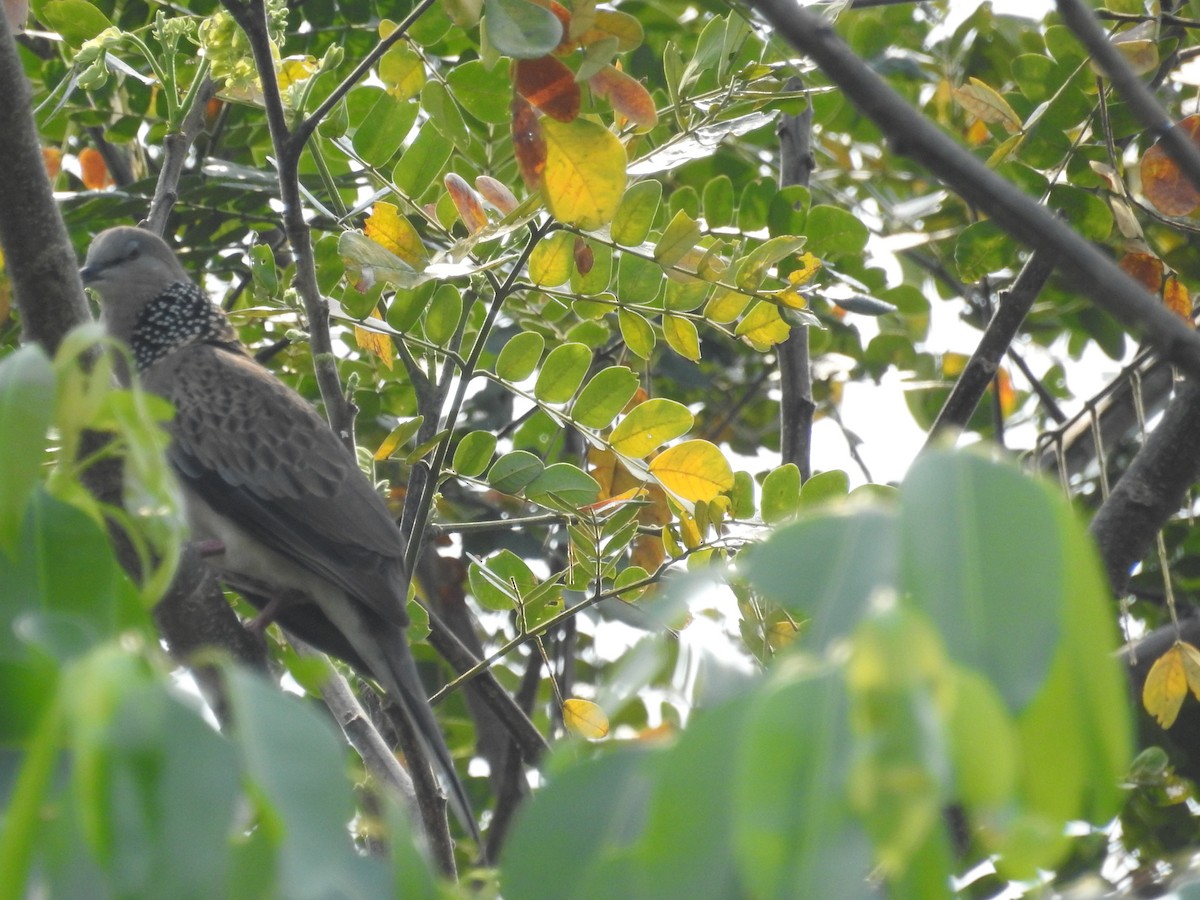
[180, 315]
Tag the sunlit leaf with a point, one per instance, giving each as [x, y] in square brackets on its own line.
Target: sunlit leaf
[678, 238]
[682, 336]
[763, 326]
[552, 260]
[373, 342]
[695, 470]
[584, 177]
[584, 719]
[402, 72]
[650, 425]
[637, 333]
[636, 212]
[396, 233]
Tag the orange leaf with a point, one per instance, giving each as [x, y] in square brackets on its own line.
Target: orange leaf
[1144, 267]
[1164, 185]
[627, 95]
[529, 145]
[92, 169]
[1165, 687]
[52, 160]
[1177, 298]
[549, 85]
[496, 193]
[467, 202]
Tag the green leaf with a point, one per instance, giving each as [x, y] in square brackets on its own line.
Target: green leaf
[76, 20]
[635, 215]
[718, 202]
[845, 557]
[781, 494]
[563, 486]
[562, 373]
[294, 760]
[983, 556]
[443, 315]
[1090, 215]
[473, 453]
[639, 280]
[983, 248]
[521, 29]
[679, 237]
[381, 131]
[823, 487]
[984, 744]
[402, 71]
[444, 114]
[742, 495]
[752, 269]
[637, 333]
[501, 581]
[485, 94]
[649, 425]
[604, 396]
[833, 232]
[682, 336]
[422, 162]
[513, 471]
[520, 356]
[26, 410]
[788, 212]
[794, 834]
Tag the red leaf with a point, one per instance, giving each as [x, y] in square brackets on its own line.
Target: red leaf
[550, 86]
[529, 146]
[627, 95]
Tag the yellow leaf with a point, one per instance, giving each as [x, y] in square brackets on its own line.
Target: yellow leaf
[809, 266]
[1165, 687]
[650, 424]
[1191, 666]
[552, 260]
[386, 227]
[763, 326]
[987, 105]
[294, 69]
[373, 342]
[689, 531]
[695, 470]
[584, 719]
[682, 336]
[584, 177]
[725, 306]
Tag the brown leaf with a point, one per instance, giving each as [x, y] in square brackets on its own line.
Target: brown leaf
[584, 257]
[529, 145]
[1164, 185]
[1145, 268]
[549, 85]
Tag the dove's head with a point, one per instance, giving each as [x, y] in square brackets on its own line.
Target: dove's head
[129, 267]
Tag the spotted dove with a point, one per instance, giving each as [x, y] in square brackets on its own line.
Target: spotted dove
[302, 528]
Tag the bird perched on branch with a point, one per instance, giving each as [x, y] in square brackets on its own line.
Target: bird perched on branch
[304, 534]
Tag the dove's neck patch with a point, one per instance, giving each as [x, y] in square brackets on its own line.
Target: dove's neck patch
[180, 315]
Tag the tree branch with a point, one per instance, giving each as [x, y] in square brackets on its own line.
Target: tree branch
[796, 405]
[1014, 306]
[911, 134]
